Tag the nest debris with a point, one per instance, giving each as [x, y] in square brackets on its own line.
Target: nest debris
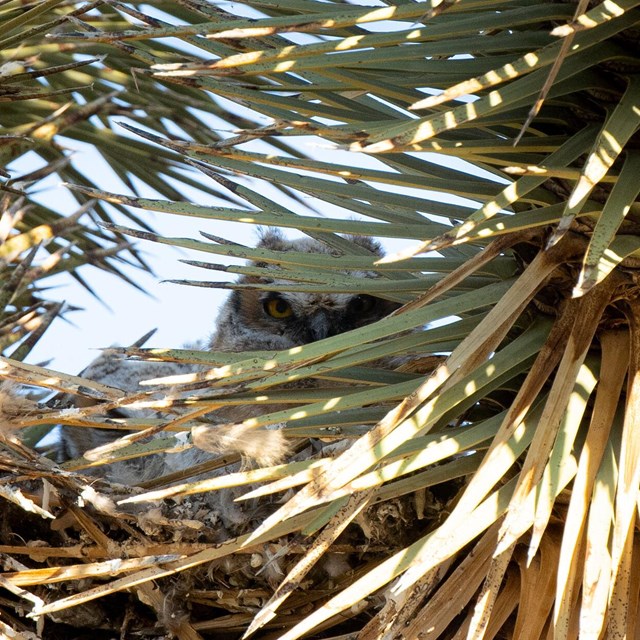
[178, 569]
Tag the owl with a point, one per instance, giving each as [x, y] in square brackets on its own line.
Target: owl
[249, 320]
[256, 320]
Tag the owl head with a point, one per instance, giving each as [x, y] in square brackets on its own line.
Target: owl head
[257, 319]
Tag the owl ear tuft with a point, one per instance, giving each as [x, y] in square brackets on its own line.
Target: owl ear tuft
[367, 243]
[272, 238]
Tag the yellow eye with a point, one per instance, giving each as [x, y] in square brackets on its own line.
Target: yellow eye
[278, 308]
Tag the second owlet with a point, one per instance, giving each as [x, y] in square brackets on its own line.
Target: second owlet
[250, 320]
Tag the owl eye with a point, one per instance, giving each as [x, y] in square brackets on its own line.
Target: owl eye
[278, 308]
[362, 304]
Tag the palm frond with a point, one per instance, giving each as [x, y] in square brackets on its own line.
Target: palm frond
[515, 411]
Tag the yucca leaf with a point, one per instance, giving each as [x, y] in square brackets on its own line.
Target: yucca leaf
[475, 226]
[492, 508]
[619, 127]
[493, 404]
[526, 64]
[628, 478]
[596, 579]
[598, 261]
[557, 403]
[27, 16]
[239, 28]
[613, 370]
[475, 348]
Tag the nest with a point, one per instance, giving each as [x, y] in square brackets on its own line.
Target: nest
[77, 558]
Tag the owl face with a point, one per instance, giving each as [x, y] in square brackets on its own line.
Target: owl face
[299, 318]
[256, 320]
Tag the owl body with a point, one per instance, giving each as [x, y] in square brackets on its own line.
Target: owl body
[114, 371]
[250, 320]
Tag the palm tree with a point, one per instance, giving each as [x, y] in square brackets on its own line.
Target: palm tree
[500, 139]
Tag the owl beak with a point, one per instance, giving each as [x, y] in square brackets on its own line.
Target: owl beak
[320, 326]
